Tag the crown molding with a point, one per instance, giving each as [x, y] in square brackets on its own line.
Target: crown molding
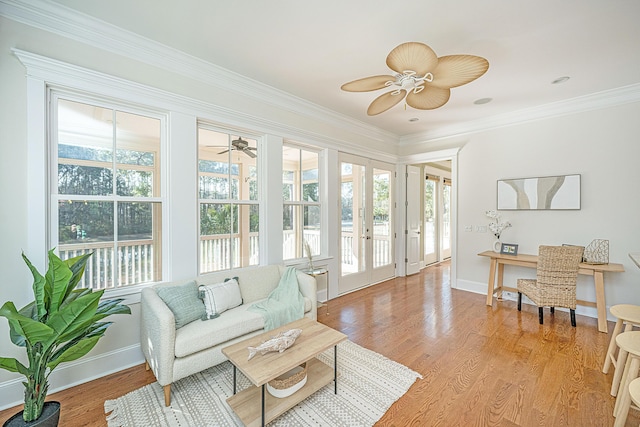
[61, 20]
[72, 77]
[595, 101]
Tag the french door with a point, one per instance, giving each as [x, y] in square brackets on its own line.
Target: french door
[367, 222]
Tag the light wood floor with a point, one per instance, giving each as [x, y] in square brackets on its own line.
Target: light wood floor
[481, 366]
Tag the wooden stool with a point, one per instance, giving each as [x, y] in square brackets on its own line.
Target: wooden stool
[634, 393]
[629, 315]
[629, 344]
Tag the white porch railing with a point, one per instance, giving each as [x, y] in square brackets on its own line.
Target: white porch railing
[349, 258]
[381, 248]
[289, 243]
[134, 261]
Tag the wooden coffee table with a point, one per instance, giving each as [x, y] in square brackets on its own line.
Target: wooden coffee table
[254, 405]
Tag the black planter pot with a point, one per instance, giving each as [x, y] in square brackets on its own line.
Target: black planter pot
[49, 417]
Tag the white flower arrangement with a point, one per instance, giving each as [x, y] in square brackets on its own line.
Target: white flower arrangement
[496, 226]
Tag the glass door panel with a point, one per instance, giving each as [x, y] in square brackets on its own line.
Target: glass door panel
[353, 220]
[446, 220]
[430, 215]
[382, 242]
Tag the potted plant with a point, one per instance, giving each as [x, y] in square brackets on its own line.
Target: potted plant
[61, 324]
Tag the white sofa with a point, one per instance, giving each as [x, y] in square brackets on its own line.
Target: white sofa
[173, 353]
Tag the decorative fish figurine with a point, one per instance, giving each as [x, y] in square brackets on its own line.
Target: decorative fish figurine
[278, 343]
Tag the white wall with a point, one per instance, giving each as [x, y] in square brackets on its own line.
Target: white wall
[602, 146]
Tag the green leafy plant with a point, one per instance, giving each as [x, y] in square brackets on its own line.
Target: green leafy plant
[61, 324]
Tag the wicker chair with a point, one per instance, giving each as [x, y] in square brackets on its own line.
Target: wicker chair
[555, 285]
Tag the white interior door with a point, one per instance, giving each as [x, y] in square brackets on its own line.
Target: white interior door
[414, 221]
[367, 222]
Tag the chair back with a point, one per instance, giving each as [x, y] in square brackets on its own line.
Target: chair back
[558, 272]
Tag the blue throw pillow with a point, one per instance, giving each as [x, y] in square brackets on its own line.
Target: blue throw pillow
[183, 301]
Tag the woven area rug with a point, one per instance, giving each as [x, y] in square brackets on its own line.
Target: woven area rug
[368, 384]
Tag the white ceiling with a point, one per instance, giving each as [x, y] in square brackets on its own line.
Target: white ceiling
[310, 49]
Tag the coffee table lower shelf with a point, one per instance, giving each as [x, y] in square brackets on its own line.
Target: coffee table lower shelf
[246, 404]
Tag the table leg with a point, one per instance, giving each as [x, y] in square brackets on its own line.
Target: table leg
[335, 369]
[499, 283]
[492, 280]
[263, 388]
[234, 379]
[601, 306]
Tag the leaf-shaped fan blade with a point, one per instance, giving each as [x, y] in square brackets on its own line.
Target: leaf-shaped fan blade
[412, 56]
[428, 99]
[367, 84]
[249, 153]
[457, 70]
[384, 102]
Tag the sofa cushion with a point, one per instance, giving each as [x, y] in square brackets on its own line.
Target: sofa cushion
[256, 284]
[219, 297]
[183, 301]
[202, 335]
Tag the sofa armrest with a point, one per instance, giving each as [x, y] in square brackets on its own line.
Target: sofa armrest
[308, 289]
[157, 335]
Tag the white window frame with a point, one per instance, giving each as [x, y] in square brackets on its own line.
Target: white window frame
[54, 95]
[43, 76]
[297, 186]
[203, 124]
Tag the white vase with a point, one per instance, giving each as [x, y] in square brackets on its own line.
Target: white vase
[497, 245]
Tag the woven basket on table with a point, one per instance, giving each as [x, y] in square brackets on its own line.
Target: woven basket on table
[282, 387]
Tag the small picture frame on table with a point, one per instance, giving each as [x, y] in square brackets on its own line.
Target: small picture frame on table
[509, 249]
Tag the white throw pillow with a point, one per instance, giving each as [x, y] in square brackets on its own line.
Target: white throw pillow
[220, 297]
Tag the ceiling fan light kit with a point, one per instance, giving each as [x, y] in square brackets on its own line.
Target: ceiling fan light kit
[420, 76]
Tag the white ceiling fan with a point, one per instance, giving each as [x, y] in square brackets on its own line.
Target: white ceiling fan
[421, 76]
[239, 145]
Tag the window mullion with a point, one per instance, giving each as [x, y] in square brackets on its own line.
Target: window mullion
[115, 277]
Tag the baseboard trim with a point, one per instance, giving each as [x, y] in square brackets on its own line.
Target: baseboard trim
[73, 373]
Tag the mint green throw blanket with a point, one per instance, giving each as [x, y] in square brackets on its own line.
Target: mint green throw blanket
[284, 304]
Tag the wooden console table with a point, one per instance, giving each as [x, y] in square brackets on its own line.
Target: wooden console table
[498, 262]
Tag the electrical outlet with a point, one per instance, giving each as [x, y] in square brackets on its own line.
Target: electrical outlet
[468, 228]
[481, 228]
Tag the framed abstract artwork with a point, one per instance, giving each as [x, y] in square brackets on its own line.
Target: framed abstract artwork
[540, 193]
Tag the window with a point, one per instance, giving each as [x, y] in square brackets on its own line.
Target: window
[301, 195]
[228, 198]
[106, 197]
